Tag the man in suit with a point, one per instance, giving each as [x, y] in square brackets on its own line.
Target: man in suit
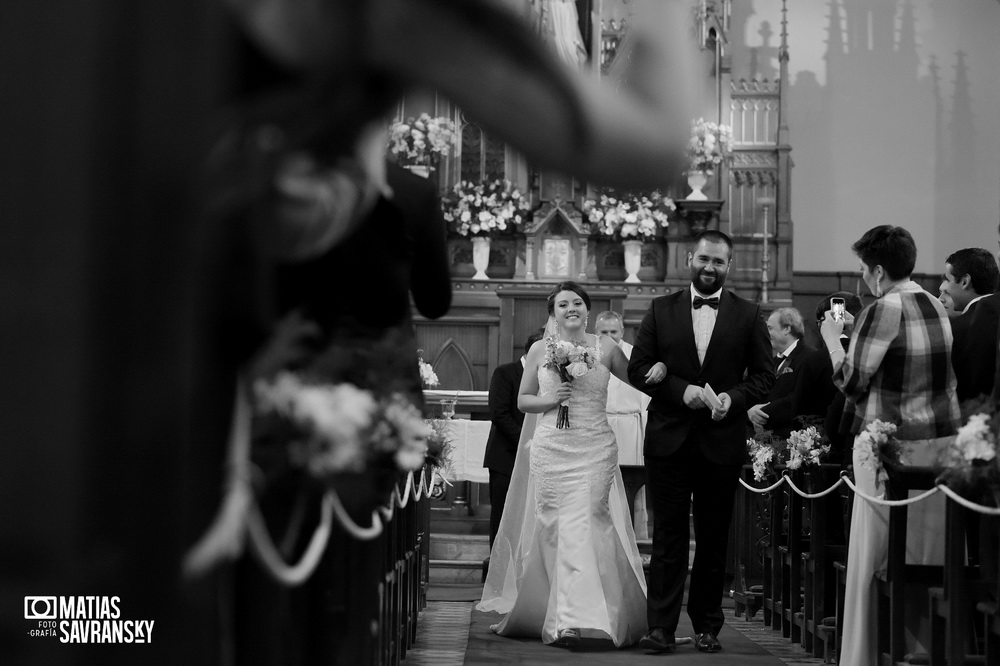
[804, 384]
[970, 279]
[505, 431]
[706, 335]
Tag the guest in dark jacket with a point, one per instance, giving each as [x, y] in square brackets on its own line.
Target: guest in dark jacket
[501, 447]
[804, 384]
[970, 279]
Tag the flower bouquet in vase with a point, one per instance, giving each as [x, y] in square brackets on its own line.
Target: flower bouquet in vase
[482, 210]
[710, 143]
[569, 360]
[419, 143]
[630, 218]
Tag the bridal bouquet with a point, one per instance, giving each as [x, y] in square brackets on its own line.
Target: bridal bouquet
[422, 141]
[570, 360]
[877, 448]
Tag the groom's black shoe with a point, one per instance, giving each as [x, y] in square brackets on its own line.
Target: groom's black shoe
[658, 641]
[707, 642]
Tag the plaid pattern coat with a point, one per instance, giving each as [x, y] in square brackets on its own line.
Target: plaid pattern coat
[898, 367]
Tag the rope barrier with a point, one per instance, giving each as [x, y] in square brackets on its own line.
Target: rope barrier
[972, 506]
[763, 490]
[814, 495]
[884, 502]
[270, 558]
[844, 479]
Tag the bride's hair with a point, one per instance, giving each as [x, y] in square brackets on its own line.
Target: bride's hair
[568, 285]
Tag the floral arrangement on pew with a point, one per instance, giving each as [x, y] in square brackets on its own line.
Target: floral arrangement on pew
[878, 449]
[624, 216]
[422, 141]
[709, 145]
[487, 208]
[805, 447]
[973, 465]
[569, 360]
[336, 428]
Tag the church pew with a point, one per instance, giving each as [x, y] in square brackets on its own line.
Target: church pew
[950, 605]
[988, 610]
[790, 561]
[825, 525]
[892, 583]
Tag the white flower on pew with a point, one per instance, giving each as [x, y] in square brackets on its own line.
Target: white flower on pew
[761, 456]
[333, 428]
[876, 446]
[975, 440]
[805, 447]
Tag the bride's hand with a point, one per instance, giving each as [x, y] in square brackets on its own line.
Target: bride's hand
[563, 393]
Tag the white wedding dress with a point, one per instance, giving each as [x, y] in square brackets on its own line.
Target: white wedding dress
[565, 556]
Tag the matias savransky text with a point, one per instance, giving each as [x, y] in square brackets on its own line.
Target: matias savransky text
[85, 619]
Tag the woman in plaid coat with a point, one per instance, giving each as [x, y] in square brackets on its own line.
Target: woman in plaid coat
[895, 370]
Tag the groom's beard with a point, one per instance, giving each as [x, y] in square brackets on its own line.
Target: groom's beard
[707, 283]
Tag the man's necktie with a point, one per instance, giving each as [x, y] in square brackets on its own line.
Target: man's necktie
[710, 302]
[779, 361]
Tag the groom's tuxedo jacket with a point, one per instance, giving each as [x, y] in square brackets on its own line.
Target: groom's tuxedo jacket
[738, 362]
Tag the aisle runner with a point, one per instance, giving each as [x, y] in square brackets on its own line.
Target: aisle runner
[485, 647]
[442, 634]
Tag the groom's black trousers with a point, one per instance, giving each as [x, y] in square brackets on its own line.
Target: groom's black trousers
[673, 483]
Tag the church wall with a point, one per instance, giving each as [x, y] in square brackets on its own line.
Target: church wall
[894, 118]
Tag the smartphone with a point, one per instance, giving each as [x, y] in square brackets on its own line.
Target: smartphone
[837, 307]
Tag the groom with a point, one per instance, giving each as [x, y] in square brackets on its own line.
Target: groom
[694, 451]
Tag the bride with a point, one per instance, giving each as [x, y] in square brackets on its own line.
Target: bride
[565, 565]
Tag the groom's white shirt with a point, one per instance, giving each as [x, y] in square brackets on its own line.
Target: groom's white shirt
[703, 320]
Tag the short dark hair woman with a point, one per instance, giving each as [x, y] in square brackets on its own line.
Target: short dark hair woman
[897, 369]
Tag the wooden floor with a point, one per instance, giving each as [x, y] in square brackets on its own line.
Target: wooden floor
[443, 637]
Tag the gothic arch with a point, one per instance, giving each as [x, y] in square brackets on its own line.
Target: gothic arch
[453, 367]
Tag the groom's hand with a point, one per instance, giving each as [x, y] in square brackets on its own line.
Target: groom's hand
[720, 413]
[694, 397]
[656, 373]
[757, 415]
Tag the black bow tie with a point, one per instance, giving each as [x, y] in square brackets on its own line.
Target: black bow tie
[710, 302]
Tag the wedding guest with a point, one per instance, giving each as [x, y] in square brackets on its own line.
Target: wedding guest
[501, 446]
[970, 279]
[897, 369]
[802, 386]
[839, 436]
[626, 414]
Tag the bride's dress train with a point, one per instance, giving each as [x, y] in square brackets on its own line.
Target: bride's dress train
[566, 557]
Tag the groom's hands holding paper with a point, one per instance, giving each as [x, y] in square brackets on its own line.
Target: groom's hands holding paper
[719, 404]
